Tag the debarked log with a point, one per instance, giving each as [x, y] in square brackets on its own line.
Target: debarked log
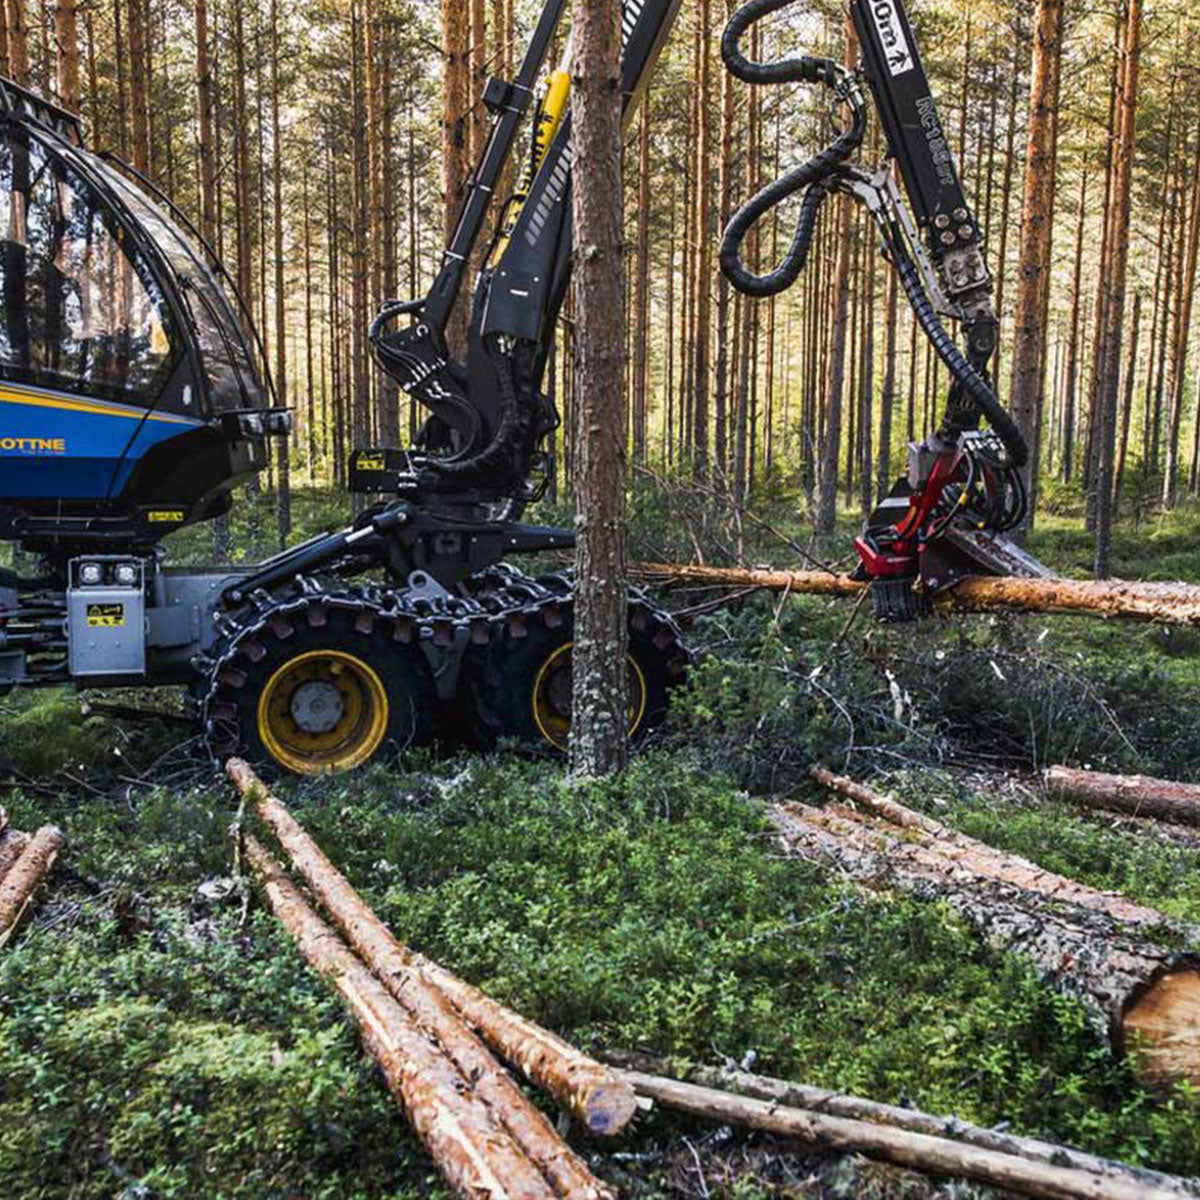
[1137, 795]
[1143, 995]
[859, 1108]
[597, 1097]
[475, 1156]
[21, 879]
[1165, 603]
[925, 834]
[918, 1151]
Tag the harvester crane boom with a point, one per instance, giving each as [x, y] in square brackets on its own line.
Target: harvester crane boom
[963, 489]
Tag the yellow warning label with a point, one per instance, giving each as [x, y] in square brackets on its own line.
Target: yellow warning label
[371, 462]
[106, 615]
[165, 514]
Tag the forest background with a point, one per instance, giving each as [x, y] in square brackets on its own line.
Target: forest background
[323, 150]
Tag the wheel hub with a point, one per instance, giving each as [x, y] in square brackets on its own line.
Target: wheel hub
[317, 706]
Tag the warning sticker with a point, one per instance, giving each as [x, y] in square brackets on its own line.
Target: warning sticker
[891, 36]
[105, 615]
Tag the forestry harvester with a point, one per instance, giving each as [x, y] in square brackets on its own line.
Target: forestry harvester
[134, 397]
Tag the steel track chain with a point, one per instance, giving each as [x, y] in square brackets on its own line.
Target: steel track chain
[484, 602]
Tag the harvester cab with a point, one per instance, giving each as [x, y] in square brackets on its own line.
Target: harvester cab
[131, 398]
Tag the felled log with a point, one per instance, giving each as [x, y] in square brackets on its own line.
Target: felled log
[22, 878]
[978, 858]
[1164, 603]
[1144, 996]
[12, 842]
[858, 1108]
[600, 1100]
[475, 1156]
[918, 1151]
[1137, 795]
[429, 1009]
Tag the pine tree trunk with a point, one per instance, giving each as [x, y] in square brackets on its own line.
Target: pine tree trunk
[1037, 226]
[1122, 193]
[600, 720]
[827, 469]
[641, 303]
[283, 444]
[1182, 334]
[455, 72]
[18, 40]
[66, 38]
[1131, 361]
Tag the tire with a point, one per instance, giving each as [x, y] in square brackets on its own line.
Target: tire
[319, 690]
[519, 685]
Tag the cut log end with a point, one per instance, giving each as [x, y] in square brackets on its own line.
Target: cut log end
[1162, 1029]
[608, 1108]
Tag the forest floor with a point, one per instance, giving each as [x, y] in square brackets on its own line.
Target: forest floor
[160, 1038]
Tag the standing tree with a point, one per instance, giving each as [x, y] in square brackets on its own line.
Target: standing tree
[600, 716]
[1114, 308]
[455, 86]
[1037, 230]
[827, 469]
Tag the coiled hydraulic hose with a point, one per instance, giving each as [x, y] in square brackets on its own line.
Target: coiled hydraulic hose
[814, 177]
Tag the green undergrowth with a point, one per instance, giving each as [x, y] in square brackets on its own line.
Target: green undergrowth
[154, 1039]
[160, 1037]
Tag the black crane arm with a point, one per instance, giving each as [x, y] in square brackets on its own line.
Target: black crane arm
[933, 241]
[488, 413]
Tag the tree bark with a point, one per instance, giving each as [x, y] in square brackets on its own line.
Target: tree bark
[589, 1090]
[1143, 996]
[18, 40]
[1122, 195]
[927, 838]
[917, 1151]
[1037, 228]
[1165, 603]
[1137, 795]
[66, 39]
[600, 704]
[1185, 293]
[827, 470]
[704, 247]
[475, 1156]
[455, 73]
[839, 1104]
[22, 878]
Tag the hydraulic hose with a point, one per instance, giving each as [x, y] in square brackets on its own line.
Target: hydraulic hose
[815, 177]
[974, 385]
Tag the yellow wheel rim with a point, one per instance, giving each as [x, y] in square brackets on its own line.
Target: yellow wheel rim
[322, 711]
[552, 697]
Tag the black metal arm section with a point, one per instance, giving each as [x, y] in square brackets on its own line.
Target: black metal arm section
[816, 177]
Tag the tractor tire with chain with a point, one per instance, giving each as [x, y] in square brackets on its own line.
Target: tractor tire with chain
[519, 684]
[325, 676]
[369, 689]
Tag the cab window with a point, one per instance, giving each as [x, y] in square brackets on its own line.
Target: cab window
[80, 310]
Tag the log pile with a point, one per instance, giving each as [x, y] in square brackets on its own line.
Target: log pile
[426, 1029]
[1101, 947]
[24, 862]
[1133, 795]
[1164, 603]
